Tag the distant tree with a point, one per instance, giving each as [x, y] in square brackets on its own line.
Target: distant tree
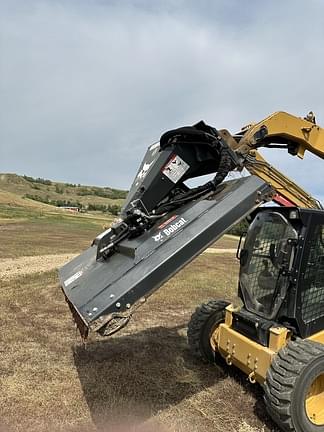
[114, 209]
[43, 181]
[37, 180]
[59, 189]
[28, 178]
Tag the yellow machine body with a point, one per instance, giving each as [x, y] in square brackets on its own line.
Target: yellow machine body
[249, 356]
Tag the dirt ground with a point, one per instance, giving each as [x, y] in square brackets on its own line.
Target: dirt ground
[11, 268]
[50, 381]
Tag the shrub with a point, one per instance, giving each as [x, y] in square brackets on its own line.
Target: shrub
[59, 189]
[37, 180]
[240, 228]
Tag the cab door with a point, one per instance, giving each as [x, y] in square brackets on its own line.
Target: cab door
[310, 301]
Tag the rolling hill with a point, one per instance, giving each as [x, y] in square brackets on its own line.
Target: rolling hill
[32, 192]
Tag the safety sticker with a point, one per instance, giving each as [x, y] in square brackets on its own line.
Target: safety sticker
[167, 222]
[175, 168]
[73, 278]
[170, 228]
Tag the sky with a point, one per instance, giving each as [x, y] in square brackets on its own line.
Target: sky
[87, 85]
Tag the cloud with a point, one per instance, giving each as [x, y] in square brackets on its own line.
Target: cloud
[86, 86]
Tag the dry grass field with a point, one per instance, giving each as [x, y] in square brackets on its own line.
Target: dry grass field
[49, 381]
[20, 186]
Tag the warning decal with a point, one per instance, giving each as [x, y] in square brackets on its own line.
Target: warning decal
[73, 278]
[175, 168]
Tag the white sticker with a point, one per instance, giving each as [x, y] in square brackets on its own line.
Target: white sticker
[175, 168]
[142, 174]
[73, 278]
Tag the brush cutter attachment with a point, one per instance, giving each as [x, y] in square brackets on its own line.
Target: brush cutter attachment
[164, 225]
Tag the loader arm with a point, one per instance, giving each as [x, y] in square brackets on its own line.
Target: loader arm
[288, 192]
[284, 131]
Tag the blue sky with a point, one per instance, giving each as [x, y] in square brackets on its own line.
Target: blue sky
[86, 86]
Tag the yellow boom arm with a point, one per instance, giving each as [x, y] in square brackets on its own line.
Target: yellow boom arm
[279, 130]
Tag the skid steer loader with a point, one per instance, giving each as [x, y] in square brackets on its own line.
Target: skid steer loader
[276, 336]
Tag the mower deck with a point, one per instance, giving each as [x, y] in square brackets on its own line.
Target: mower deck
[101, 290]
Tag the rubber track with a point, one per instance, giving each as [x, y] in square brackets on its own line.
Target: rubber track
[282, 377]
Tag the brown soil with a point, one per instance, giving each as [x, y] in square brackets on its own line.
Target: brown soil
[50, 382]
[220, 251]
[13, 268]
